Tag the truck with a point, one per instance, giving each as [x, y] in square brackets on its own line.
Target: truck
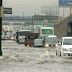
[43, 31]
[29, 38]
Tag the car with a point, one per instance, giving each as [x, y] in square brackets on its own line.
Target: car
[50, 41]
[3, 37]
[38, 42]
[65, 47]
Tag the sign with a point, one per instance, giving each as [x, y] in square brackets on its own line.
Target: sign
[37, 24]
[47, 31]
[50, 24]
[1, 11]
[65, 3]
[26, 24]
[7, 10]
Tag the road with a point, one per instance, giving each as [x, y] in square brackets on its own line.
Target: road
[19, 58]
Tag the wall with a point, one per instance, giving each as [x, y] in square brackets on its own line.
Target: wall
[61, 29]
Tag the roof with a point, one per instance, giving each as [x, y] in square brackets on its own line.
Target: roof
[52, 36]
[47, 27]
[32, 33]
[67, 37]
[24, 30]
[38, 39]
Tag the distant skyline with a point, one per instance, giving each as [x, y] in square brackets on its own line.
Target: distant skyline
[32, 7]
[27, 7]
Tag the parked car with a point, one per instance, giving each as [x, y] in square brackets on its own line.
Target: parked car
[38, 42]
[50, 41]
[65, 47]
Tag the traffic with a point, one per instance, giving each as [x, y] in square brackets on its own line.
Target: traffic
[35, 35]
[45, 38]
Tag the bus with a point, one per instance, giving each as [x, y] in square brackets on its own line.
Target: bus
[20, 35]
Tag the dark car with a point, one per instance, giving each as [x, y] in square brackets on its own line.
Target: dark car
[51, 41]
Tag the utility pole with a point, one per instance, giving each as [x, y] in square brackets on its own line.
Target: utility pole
[70, 10]
[0, 29]
[24, 21]
[32, 25]
[23, 15]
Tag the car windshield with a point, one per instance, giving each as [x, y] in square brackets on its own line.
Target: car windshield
[32, 37]
[67, 42]
[51, 40]
[8, 32]
[23, 33]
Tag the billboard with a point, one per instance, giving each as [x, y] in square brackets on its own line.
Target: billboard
[65, 3]
[47, 31]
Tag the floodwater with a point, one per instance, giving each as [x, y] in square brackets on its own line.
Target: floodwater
[19, 58]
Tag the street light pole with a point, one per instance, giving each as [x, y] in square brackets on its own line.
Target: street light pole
[32, 24]
[23, 15]
[0, 29]
[70, 10]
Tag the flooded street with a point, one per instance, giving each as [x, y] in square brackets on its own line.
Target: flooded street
[19, 58]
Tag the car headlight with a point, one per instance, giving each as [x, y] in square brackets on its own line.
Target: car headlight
[46, 45]
[56, 45]
[19, 39]
[2, 35]
[28, 45]
[65, 49]
[5, 38]
[12, 38]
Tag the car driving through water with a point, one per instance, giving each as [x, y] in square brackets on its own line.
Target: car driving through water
[65, 47]
[51, 41]
[20, 35]
[38, 42]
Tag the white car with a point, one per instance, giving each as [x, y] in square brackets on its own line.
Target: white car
[38, 42]
[65, 47]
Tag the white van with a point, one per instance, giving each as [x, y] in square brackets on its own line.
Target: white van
[66, 47]
[38, 42]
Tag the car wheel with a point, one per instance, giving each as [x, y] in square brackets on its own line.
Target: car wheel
[25, 45]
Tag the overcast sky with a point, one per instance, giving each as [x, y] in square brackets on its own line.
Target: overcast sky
[28, 7]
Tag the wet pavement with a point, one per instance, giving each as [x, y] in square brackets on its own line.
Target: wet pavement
[19, 58]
